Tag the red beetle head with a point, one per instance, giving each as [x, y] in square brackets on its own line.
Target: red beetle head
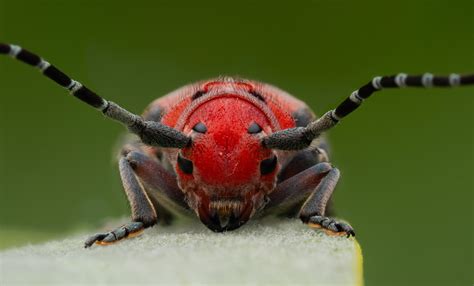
[226, 173]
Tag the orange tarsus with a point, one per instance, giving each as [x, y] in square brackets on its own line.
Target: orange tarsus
[327, 231]
[130, 235]
[314, 225]
[134, 234]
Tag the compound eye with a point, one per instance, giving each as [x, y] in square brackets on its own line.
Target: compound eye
[185, 165]
[268, 165]
[200, 127]
[254, 128]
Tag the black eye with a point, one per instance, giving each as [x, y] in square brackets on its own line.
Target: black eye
[185, 165]
[200, 127]
[254, 128]
[268, 165]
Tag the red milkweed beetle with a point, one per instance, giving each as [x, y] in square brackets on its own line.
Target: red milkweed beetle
[227, 150]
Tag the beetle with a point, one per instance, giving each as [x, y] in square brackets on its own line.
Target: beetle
[227, 150]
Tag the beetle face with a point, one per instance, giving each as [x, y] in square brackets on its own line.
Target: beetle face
[226, 173]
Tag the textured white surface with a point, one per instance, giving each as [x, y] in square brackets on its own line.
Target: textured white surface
[267, 252]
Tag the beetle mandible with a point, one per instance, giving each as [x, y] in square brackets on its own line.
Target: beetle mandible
[227, 150]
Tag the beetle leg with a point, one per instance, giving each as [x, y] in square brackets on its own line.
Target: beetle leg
[131, 229]
[297, 188]
[313, 210]
[331, 225]
[316, 184]
[143, 212]
[140, 204]
[160, 184]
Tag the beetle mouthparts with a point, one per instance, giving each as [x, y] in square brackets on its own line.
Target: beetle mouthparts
[220, 223]
[225, 211]
[224, 215]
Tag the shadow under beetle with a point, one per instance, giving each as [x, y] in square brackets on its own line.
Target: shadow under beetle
[227, 150]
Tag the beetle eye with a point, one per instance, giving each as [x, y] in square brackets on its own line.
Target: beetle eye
[200, 127]
[185, 165]
[254, 128]
[268, 165]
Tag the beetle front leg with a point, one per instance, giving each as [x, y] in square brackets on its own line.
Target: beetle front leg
[313, 210]
[314, 186]
[143, 212]
[131, 229]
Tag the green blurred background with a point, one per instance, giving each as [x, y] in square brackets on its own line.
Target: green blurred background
[406, 156]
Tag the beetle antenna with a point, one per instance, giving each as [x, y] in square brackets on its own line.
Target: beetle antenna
[151, 132]
[301, 137]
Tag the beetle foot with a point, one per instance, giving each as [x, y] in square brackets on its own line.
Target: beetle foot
[331, 226]
[126, 231]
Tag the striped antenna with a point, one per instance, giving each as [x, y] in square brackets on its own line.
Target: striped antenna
[152, 133]
[301, 137]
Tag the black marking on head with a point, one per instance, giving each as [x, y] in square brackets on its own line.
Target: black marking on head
[185, 165]
[254, 128]
[268, 165]
[257, 95]
[198, 94]
[200, 127]
[159, 154]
